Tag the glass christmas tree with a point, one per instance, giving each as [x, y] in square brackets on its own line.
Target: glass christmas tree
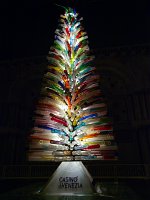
[71, 120]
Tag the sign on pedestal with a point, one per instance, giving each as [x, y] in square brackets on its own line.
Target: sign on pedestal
[69, 178]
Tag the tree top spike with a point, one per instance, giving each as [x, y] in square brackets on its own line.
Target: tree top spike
[68, 10]
[62, 6]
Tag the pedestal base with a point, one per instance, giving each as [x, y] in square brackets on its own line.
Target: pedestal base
[70, 178]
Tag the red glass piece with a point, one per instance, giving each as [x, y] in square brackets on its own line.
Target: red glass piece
[95, 146]
[59, 121]
[68, 32]
[103, 128]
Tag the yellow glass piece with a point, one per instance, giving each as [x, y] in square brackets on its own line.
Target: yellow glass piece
[71, 60]
[102, 142]
[54, 96]
[69, 112]
[63, 16]
[75, 121]
[72, 55]
[48, 157]
[58, 69]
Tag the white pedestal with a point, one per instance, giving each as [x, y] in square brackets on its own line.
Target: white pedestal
[70, 178]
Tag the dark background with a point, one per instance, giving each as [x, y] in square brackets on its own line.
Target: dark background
[27, 27]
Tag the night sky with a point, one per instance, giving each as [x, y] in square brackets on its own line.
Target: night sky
[27, 27]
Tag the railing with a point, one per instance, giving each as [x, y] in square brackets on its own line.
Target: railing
[113, 171]
[127, 171]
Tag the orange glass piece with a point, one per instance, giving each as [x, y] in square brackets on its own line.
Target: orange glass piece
[89, 136]
[68, 101]
[65, 79]
[37, 138]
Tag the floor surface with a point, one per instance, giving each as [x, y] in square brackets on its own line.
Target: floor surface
[105, 191]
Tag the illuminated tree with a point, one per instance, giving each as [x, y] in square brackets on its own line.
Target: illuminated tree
[71, 120]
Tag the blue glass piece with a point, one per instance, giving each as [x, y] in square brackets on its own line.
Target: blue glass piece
[88, 116]
[74, 11]
[80, 147]
[52, 129]
[76, 48]
[71, 41]
[72, 29]
[61, 84]
[89, 157]
[80, 125]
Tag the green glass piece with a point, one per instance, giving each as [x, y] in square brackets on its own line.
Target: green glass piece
[57, 89]
[105, 120]
[57, 46]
